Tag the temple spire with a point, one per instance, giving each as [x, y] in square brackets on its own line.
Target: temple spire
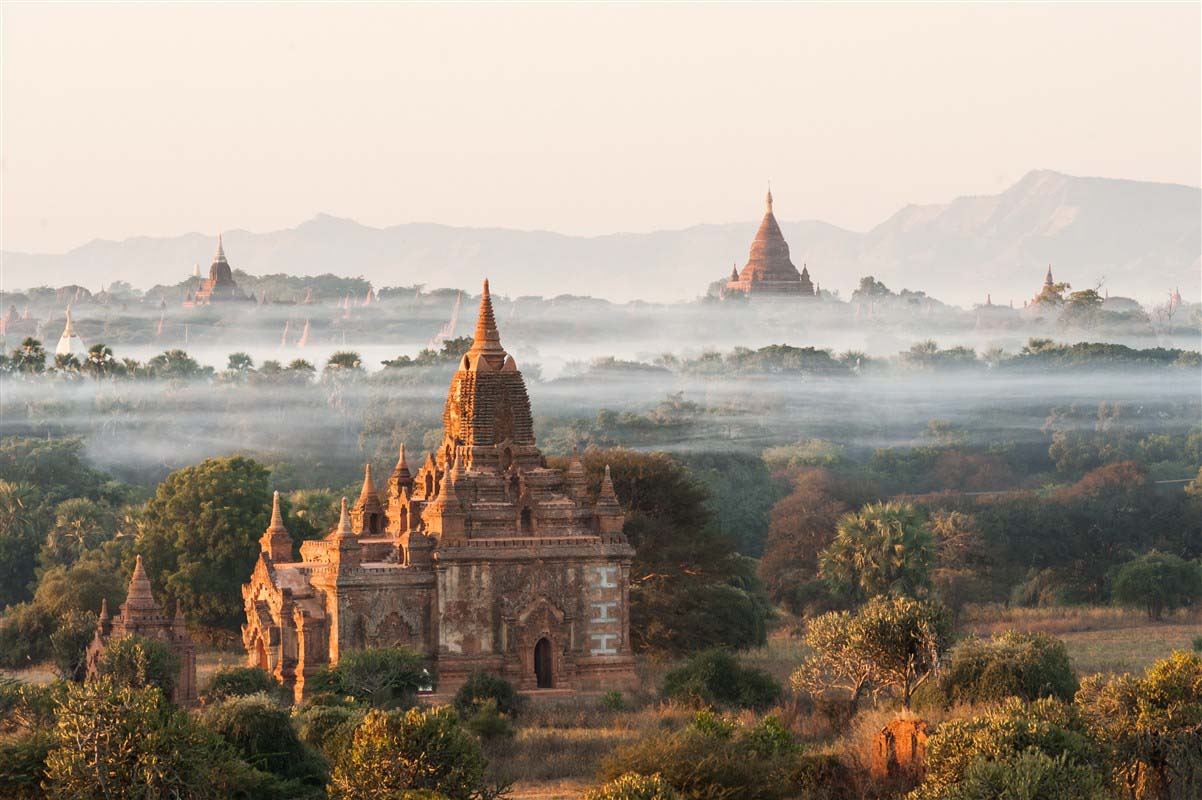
[488, 339]
[369, 488]
[276, 542]
[769, 199]
[1047, 281]
[344, 524]
[220, 256]
[402, 466]
[139, 598]
[277, 518]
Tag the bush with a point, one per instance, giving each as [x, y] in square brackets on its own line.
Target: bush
[395, 751]
[1157, 582]
[1028, 666]
[138, 662]
[719, 758]
[1152, 726]
[1002, 734]
[387, 677]
[264, 737]
[238, 682]
[613, 700]
[634, 787]
[25, 631]
[716, 678]
[488, 723]
[482, 686]
[1030, 774]
[69, 644]
[23, 765]
[135, 744]
[328, 723]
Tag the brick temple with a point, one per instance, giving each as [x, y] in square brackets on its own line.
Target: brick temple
[483, 559]
[141, 615]
[769, 272]
[220, 286]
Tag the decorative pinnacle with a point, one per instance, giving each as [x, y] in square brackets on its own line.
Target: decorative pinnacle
[369, 488]
[488, 338]
[220, 256]
[769, 197]
[402, 466]
[607, 488]
[277, 519]
[344, 523]
[104, 609]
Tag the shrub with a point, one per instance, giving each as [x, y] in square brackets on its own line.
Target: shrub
[138, 662]
[69, 644]
[488, 723]
[1031, 774]
[482, 686]
[25, 631]
[716, 757]
[135, 744]
[1002, 734]
[1023, 665]
[263, 735]
[1152, 726]
[715, 677]
[1197, 644]
[238, 682]
[613, 700]
[632, 786]
[1157, 582]
[387, 677]
[328, 723]
[395, 751]
[23, 765]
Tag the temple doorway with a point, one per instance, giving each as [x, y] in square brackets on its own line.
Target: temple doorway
[542, 664]
[260, 655]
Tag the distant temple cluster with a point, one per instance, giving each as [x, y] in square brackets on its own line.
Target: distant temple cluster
[769, 272]
[483, 559]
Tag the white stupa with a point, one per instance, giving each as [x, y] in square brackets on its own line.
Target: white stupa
[69, 342]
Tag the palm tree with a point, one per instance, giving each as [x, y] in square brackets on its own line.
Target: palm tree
[99, 362]
[30, 357]
[882, 549]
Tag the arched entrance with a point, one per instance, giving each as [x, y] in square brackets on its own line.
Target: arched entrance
[260, 655]
[543, 672]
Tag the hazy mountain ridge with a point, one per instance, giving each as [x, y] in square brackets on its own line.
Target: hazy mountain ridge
[1142, 238]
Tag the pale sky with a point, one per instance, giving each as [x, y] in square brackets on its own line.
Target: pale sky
[123, 120]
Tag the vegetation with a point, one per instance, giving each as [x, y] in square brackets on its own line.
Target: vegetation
[1158, 582]
[716, 678]
[1029, 666]
[384, 677]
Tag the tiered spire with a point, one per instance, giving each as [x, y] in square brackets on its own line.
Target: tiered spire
[487, 341]
[343, 531]
[219, 257]
[276, 542]
[1047, 281]
[368, 492]
[608, 495]
[139, 597]
[401, 473]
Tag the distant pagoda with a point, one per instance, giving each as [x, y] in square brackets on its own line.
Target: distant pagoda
[769, 271]
[220, 287]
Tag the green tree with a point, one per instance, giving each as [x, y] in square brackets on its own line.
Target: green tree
[100, 363]
[263, 735]
[201, 532]
[344, 361]
[1028, 666]
[80, 524]
[21, 523]
[715, 677]
[176, 365]
[1157, 582]
[113, 741]
[419, 749]
[689, 588]
[890, 644]
[29, 358]
[139, 663]
[383, 677]
[1152, 726]
[239, 366]
[884, 548]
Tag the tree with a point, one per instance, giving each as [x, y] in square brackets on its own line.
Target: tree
[263, 736]
[239, 366]
[201, 532]
[115, 741]
[419, 749]
[29, 358]
[1157, 582]
[176, 364]
[344, 361]
[715, 677]
[99, 362]
[21, 521]
[1152, 724]
[80, 524]
[1028, 666]
[139, 663]
[383, 677]
[483, 686]
[885, 548]
[689, 588]
[66, 363]
[889, 643]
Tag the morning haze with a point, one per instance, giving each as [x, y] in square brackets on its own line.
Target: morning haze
[576, 119]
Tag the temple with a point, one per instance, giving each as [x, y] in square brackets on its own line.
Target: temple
[69, 344]
[769, 271]
[141, 615]
[220, 287]
[483, 559]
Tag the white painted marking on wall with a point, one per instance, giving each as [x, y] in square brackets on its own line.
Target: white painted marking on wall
[604, 648]
[603, 611]
[605, 577]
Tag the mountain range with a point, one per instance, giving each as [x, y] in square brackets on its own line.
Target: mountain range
[1133, 238]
